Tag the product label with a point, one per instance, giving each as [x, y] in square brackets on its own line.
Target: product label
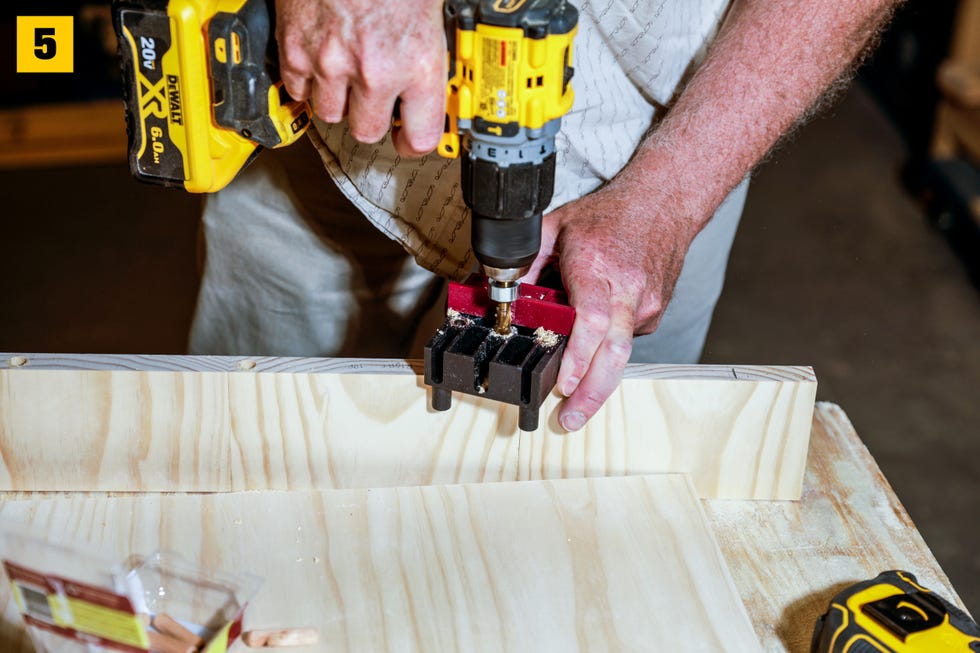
[77, 611]
[159, 121]
[498, 79]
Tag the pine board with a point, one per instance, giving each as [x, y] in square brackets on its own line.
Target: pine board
[214, 424]
[624, 564]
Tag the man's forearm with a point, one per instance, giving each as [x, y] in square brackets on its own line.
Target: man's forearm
[771, 63]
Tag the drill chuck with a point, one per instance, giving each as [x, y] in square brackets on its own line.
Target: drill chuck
[508, 188]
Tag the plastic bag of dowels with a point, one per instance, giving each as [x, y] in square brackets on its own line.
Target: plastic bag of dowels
[80, 598]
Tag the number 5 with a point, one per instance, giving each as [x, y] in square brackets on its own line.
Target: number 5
[45, 46]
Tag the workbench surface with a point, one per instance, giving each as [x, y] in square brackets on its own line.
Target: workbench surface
[790, 558]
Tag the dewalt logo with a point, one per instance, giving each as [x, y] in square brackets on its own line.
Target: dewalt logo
[173, 96]
[508, 6]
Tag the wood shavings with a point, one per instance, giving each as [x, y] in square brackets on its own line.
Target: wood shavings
[504, 336]
[545, 337]
[457, 319]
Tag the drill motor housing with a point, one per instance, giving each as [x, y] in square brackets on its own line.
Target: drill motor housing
[509, 73]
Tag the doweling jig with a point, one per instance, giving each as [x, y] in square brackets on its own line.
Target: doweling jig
[468, 355]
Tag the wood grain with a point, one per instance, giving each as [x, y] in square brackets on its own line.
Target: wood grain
[185, 423]
[789, 558]
[575, 565]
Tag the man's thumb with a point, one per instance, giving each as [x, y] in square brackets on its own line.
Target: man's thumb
[548, 254]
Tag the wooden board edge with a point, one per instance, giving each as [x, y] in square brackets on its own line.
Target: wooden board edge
[276, 364]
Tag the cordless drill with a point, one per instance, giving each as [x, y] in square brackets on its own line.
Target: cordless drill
[203, 97]
[509, 73]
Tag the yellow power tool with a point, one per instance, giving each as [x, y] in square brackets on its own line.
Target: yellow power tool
[509, 73]
[893, 613]
[202, 89]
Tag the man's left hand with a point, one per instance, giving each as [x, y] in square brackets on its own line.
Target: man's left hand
[620, 254]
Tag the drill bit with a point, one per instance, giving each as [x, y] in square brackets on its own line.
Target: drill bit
[503, 319]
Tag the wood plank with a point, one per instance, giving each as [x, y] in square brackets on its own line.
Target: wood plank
[63, 134]
[599, 564]
[965, 44]
[960, 82]
[957, 128]
[965, 126]
[126, 423]
[789, 558]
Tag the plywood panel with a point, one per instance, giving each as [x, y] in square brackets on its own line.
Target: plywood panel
[575, 565]
[121, 423]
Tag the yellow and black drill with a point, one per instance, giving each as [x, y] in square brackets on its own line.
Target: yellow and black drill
[510, 68]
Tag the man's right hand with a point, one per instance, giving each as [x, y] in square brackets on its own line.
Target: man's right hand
[354, 58]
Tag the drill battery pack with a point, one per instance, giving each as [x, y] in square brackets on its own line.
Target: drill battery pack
[892, 612]
[202, 90]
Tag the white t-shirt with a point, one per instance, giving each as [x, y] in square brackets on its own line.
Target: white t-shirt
[629, 59]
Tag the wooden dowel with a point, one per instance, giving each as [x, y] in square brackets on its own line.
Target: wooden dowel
[160, 643]
[167, 625]
[281, 637]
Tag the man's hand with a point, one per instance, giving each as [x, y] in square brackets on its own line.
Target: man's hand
[619, 257]
[356, 57]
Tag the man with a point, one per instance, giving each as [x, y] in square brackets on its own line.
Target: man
[631, 226]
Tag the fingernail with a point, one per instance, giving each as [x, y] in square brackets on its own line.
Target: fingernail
[569, 386]
[572, 421]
